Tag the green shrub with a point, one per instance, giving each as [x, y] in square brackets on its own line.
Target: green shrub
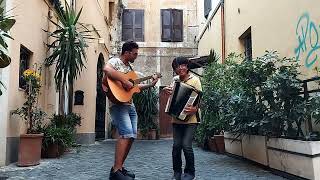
[259, 97]
[146, 103]
[61, 130]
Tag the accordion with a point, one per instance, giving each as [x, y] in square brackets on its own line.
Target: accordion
[182, 96]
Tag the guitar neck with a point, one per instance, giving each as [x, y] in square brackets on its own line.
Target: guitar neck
[138, 81]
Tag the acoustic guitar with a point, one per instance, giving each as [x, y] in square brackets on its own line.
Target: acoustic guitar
[115, 91]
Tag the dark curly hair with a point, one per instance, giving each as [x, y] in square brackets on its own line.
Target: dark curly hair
[178, 61]
[128, 46]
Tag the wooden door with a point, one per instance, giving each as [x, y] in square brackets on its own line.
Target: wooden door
[164, 118]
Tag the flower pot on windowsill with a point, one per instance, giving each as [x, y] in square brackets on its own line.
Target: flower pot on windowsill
[30, 149]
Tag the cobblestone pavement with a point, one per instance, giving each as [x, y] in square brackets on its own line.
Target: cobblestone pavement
[150, 160]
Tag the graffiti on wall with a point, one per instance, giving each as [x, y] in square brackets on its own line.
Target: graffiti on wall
[307, 34]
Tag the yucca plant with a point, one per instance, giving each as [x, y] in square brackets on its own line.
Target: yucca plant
[6, 23]
[68, 50]
[147, 109]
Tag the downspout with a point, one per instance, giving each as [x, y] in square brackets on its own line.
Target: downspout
[223, 33]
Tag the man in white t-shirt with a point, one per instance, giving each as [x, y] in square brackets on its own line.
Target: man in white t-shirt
[124, 115]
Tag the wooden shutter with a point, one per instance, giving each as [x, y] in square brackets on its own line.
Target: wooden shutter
[207, 8]
[127, 25]
[177, 25]
[138, 26]
[166, 24]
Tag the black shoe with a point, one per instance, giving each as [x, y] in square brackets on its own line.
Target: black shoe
[128, 173]
[187, 176]
[118, 175]
[177, 175]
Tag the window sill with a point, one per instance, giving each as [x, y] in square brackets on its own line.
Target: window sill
[21, 89]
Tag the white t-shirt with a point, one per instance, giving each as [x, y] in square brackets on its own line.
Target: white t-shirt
[118, 65]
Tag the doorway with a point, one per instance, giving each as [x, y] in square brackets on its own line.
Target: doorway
[100, 102]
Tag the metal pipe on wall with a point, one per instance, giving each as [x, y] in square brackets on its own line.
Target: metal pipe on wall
[223, 34]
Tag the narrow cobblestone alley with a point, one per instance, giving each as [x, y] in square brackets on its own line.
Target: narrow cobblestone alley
[150, 160]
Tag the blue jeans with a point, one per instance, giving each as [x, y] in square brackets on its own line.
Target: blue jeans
[182, 140]
[124, 118]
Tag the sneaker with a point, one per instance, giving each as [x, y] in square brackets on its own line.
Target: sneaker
[176, 176]
[187, 176]
[128, 173]
[118, 175]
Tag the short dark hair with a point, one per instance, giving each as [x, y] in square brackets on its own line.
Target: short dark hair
[178, 61]
[128, 46]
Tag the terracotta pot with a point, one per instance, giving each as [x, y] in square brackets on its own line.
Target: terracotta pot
[152, 134]
[139, 135]
[212, 145]
[220, 143]
[30, 149]
[53, 151]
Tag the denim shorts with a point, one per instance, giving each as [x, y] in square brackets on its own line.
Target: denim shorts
[124, 118]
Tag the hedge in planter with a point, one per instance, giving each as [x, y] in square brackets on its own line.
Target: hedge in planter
[267, 101]
[216, 83]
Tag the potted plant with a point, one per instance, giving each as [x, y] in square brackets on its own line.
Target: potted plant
[266, 113]
[59, 135]
[210, 131]
[56, 140]
[30, 143]
[68, 53]
[147, 109]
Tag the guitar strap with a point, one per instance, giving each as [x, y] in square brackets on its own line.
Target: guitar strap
[198, 116]
[130, 66]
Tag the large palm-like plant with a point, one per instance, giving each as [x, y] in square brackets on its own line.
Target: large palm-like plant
[6, 23]
[68, 50]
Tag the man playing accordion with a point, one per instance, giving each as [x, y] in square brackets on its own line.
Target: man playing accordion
[183, 131]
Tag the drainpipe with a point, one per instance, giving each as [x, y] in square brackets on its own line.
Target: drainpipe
[223, 37]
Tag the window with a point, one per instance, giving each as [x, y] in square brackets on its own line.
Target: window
[248, 47]
[25, 55]
[172, 25]
[246, 41]
[110, 12]
[207, 8]
[133, 25]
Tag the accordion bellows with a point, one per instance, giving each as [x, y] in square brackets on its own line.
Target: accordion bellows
[182, 95]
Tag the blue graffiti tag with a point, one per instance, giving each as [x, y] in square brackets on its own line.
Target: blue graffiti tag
[307, 29]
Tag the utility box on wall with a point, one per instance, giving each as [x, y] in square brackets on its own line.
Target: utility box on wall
[78, 97]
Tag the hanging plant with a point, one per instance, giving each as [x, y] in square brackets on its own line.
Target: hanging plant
[6, 23]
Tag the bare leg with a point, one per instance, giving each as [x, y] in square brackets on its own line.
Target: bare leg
[127, 150]
[122, 149]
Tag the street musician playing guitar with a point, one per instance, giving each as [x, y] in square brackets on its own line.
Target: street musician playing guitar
[120, 79]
